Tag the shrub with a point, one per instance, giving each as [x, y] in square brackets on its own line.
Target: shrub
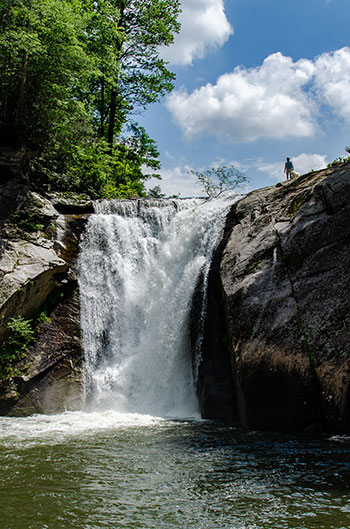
[21, 335]
[28, 222]
[43, 318]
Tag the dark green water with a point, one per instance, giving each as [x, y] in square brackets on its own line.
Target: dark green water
[89, 471]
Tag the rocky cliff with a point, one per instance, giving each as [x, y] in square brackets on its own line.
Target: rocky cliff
[282, 280]
[38, 251]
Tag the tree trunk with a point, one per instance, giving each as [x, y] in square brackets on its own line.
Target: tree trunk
[111, 121]
[114, 93]
[23, 84]
[101, 129]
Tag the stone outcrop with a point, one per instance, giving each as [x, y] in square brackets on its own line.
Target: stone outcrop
[285, 287]
[39, 247]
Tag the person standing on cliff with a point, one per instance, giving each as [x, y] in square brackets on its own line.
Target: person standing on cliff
[288, 168]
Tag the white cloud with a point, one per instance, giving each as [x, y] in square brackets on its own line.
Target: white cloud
[203, 26]
[177, 180]
[307, 162]
[303, 163]
[332, 80]
[278, 99]
[248, 104]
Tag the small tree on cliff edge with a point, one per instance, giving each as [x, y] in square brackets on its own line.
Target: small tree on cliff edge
[219, 179]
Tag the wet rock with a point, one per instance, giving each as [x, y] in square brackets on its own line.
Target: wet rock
[29, 273]
[51, 374]
[210, 343]
[39, 248]
[286, 288]
[71, 203]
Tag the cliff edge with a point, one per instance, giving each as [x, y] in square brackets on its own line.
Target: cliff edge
[284, 283]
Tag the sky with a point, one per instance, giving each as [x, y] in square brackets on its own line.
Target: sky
[256, 81]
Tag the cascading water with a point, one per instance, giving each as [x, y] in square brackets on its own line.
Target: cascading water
[138, 268]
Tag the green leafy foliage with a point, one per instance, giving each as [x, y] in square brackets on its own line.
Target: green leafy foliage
[43, 318]
[21, 335]
[341, 159]
[44, 67]
[27, 221]
[217, 180]
[156, 192]
[131, 157]
[73, 73]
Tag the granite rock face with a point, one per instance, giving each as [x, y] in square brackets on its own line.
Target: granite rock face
[39, 247]
[285, 287]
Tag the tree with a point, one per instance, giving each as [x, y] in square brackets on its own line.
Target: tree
[156, 192]
[132, 156]
[44, 67]
[103, 41]
[73, 72]
[219, 179]
[142, 76]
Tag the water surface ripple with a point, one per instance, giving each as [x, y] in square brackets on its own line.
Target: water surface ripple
[143, 472]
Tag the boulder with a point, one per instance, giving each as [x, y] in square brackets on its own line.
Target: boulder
[71, 203]
[285, 283]
[29, 273]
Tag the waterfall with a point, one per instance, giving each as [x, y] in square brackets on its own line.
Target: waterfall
[138, 268]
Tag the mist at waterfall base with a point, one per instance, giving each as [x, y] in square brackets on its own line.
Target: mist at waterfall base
[138, 456]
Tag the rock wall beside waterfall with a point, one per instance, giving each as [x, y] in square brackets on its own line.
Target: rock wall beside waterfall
[285, 284]
[276, 344]
[39, 244]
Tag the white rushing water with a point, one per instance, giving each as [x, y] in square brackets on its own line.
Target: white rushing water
[138, 269]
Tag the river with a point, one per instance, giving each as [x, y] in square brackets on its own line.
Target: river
[107, 470]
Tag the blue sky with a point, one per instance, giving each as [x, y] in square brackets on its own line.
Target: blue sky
[256, 81]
